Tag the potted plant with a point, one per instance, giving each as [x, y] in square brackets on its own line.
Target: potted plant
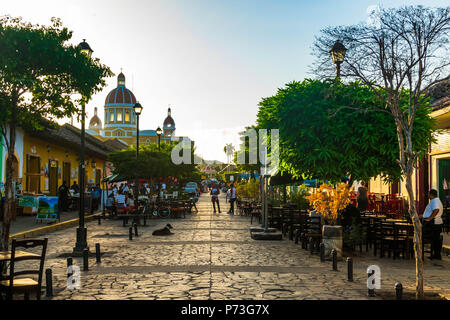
[329, 201]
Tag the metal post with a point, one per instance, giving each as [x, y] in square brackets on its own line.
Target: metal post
[48, 283]
[81, 242]
[137, 163]
[398, 291]
[266, 207]
[131, 233]
[85, 259]
[334, 255]
[99, 220]
[370, 292]
[350, 268]
[311, 245]
[159, 142]
[322, 252]
[135, 230]
[97, 253]
[338, 70]
[69, 263]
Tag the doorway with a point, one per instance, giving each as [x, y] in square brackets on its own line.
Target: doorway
[33, 182]
[66, 173]
[444, 179]
[53, 177]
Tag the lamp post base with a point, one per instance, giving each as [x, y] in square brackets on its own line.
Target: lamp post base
[81, 243]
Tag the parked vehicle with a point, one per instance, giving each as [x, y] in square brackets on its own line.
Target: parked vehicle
[191, 187]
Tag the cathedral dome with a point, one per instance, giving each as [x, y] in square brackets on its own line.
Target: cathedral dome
[95, 121]
[169, 122]
[120, 95]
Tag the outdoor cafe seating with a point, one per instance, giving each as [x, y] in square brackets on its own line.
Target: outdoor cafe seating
[13, 282]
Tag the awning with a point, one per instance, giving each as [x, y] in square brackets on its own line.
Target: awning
[115, 178]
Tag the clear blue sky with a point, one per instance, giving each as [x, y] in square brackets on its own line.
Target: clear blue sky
[211, 60]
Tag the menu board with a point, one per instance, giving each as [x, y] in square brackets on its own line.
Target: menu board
[47, 208]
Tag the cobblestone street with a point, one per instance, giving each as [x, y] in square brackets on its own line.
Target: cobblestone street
[212, 256]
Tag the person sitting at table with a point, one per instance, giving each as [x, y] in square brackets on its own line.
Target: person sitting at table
[432, 223]
[120, 200]
[129, 204]
[75, 187]
[363, 202]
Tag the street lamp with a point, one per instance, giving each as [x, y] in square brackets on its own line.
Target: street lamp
[137, 111]
[337, 53]
[159, 132]
[81, 243]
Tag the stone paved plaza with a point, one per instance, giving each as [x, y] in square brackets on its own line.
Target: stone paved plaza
[212, 256]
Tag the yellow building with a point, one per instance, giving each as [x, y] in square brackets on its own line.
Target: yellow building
[51, 156]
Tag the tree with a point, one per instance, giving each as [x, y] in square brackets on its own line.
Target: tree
[321, 136]
[152, 163]
[402, 49]
[39, 73]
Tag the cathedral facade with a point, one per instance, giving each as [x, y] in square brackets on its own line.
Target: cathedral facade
[120, 120]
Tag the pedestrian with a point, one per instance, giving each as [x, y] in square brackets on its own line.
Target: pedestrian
[432, 223]
[215, 197]
[125, 189]
[75, 187]
[115, 190]
[110, 203]
[63, 194]
[232, 199]
[363, 201]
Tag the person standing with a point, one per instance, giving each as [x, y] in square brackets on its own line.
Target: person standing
[215, 197]
[363, 201]
[63, 193]
[232, 199]
[432, 221]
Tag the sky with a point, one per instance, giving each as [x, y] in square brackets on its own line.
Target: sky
[212, 61]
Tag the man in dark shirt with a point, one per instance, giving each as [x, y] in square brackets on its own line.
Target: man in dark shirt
[63, 193]
[75, 187]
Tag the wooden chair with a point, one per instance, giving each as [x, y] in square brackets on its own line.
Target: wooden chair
[312, 231]
[10, 284]
[255, 213]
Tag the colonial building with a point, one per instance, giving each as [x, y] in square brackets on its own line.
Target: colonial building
[120, 119]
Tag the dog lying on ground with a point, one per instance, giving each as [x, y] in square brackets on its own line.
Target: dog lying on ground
[164, 231]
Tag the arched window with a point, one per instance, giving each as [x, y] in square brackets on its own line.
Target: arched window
[127, 116]
[111, 116]
[119, 116]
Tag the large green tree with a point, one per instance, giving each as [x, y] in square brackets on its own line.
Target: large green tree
[330, 130]
[152, 163]
[40, 71]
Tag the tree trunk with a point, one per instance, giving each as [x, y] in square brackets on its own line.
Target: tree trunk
[9, 190]
[417, 233]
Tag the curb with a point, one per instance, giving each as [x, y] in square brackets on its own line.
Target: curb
[57, 226]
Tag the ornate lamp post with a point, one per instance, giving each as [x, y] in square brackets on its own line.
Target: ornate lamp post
[159, 132]
[137, 111]
[337, 53]
[81, 243]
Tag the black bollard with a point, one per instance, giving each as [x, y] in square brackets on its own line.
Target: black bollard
[296, 235]
[322, 252]
[370, 292]
[303, 241]
[123, 222]
[99, 220]
[48, 283]
[135, 230]
[131, 233]
[85, 259]
[97, 253]
[311, 245]
[334, 255]
[350, 268]
[398, 291]
[145, 220]
[69, 263]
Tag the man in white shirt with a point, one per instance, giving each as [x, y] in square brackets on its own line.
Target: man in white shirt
[232, 199]
[433, 216]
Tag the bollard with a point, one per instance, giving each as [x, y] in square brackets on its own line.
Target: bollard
[145, 220]
[334, 255]
[131, 233]
[370, 292]
[99, 220]
[69, 263]
[85, 259]
[296, 235]
[123, 222]
[350, 268]
[398, 291]
[322, 252]
[303, 241]
[97, 253]
[311, 245]
[135, 230]
[48, 283]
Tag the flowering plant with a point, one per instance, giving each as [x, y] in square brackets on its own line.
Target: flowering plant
[329, 201]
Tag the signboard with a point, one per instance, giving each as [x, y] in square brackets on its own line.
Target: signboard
[47, 208]
[231, 178]
[28, 201]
